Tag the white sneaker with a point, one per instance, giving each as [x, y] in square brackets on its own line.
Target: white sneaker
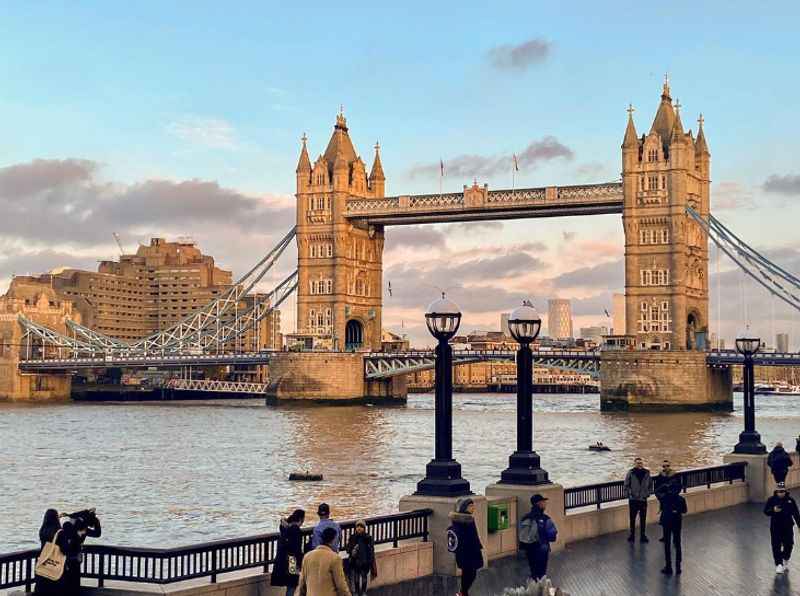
[779, 569]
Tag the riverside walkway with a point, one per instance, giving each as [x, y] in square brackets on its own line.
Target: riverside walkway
[725, 553]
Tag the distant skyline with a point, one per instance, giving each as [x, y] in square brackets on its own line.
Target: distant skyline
[156, 119]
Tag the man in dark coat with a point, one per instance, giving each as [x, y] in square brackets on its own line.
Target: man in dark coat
[637, 489]
[661, 485]
[673, 508]
[779, 461]
[537, 531]
[782, 511]
[464, 542]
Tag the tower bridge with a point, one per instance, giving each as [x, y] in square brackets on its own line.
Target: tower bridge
[342, 215]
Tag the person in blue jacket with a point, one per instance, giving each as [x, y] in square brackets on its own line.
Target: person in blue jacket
[536, 532]
[464, 542]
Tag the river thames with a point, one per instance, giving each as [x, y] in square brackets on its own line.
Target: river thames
[174, 473]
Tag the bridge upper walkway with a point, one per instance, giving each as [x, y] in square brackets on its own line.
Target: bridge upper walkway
[480, 203]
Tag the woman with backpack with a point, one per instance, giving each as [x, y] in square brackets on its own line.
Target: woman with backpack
[464, 542]
[361, 564]
[289, 558]
[536, 532]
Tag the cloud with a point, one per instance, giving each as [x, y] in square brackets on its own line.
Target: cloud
[475, 227]
[42, 261]
[731, 195]
[788, 185]
[466, 166]
[420, 237]
[20, 181]
[592, 171]
[607, 276]
[213, 133]
[521, 56]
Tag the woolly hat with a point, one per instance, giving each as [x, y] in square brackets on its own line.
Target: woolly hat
[463, 503]
[361, 523]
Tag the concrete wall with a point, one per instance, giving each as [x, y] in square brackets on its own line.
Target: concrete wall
[326, 376]
[657, 380]
[760, 482]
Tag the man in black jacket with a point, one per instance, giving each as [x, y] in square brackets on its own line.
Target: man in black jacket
[779, 461]
[661, 484]
[673, 508]
[782, 511]
[637, 489]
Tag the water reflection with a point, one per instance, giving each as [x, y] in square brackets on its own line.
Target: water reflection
[175, 473]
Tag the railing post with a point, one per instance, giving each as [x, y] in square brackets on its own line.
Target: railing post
[28, 574]
[598, 496]
[425, 528]
[214, 566]
[395, 531]
[266, 555]
[101, 574]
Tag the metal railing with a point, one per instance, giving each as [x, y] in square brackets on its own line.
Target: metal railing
[169, 565]
[609, 492]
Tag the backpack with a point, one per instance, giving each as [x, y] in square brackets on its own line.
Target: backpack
[528, 531]
[452, 540]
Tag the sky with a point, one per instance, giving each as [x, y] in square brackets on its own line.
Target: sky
[183, 119]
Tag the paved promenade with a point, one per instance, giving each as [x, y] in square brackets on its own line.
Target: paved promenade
[725, 552]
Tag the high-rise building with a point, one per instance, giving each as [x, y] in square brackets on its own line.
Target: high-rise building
[504, 324]
[782, 342]
[559, 318]
[147, 292]
[594, 334]
[618, 314]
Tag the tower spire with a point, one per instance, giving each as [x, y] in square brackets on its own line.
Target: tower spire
[700, 145]
[377, 167]
[631, 140]
[304, 163]
[677, 125]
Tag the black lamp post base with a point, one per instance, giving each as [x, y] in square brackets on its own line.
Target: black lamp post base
[443, 479]
[750, 443]
[524, 468]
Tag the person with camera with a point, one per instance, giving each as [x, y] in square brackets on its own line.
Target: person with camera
[76, 528]
[289, 558]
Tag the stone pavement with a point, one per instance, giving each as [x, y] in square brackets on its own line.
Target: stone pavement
[725, 553]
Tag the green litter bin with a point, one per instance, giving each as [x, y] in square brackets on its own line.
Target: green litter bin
[498, 517]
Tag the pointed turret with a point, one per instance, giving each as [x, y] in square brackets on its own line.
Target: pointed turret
[665, 116]
[304, 163]
[377, 180]
[631, 140]
[677, 125]
[700, 146]
[377, 168]
[340, 147]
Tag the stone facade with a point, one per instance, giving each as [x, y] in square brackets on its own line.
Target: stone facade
[666, 252]
[657, 380]
[43, 306]
[339, 264]
[327, 376]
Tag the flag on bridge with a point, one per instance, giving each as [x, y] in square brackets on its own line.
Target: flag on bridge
[441, 167]
[606, 311]
[516, 165]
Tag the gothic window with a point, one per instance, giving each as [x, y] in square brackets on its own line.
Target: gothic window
[327, 317]
[313, 251]
[641, 182]
[652, 182]
[320, 319]
[663, 182]
[313, 288]
[329, 286]
[312, 317]
[643, 236]
[664, 236]
[652, 155]
[330, 250]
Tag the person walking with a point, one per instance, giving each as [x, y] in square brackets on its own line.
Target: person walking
[77, 527]
[322, 573]
[779, 462]
[51, 526]
[673, 508]
[464, 542]
[361, 563]
[325, 521]
[797, 445]
[536, 533]
[637, 489]
[661, 486]
[782, 511]
[289, 558]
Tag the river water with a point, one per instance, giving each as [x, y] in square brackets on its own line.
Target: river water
[175, 473]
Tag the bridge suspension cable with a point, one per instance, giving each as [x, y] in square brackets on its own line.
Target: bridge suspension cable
[776, 280]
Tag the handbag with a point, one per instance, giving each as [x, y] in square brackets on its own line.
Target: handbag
[291, 565]
[50, 563]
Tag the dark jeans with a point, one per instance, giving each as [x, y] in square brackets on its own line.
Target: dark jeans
[782, 543]
[672, 534]
[467, 579]
[779, 474]
[637, 508]
[537, 561]
[359, 578]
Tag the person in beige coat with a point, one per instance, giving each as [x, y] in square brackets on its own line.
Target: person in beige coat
[322, 573]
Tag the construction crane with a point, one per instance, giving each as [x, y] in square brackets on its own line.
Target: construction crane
[119, 243]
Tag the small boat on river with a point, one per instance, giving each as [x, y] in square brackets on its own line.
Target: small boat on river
[305, 477]
[599, 447]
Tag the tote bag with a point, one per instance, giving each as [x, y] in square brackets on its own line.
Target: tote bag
[50, 563]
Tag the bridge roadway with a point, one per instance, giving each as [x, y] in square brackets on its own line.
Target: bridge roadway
[479, 203]
[725, 552]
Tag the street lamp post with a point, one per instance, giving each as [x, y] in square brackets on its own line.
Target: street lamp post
[524, 466]
[749, 438]
[443, 473]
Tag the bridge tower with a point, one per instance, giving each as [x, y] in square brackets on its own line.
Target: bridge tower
[666, 252]
[340, 265]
